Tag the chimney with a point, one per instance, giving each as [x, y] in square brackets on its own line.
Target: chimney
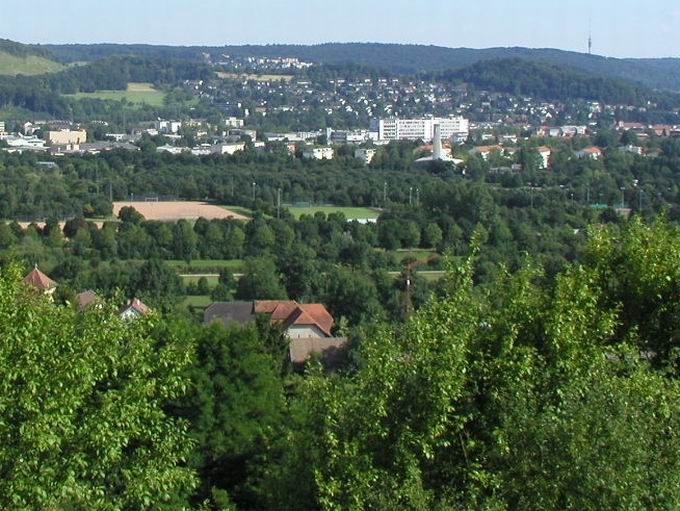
[437, 143]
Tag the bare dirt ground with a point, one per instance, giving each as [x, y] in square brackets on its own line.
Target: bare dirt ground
[168, 211]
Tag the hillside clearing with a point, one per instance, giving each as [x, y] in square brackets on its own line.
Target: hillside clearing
[12, 65]
[136, 93]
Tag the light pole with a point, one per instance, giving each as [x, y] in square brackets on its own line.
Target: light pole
[417, 196]
[254, 185]
[278, 203]
[385, 194]
[410, 196]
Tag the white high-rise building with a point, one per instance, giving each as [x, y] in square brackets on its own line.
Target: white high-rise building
[395, 128]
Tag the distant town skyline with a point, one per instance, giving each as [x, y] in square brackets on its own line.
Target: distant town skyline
[619, 27]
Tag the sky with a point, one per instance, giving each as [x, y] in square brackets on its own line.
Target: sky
[621, 28]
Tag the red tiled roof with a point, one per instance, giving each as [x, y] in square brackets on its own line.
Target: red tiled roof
[290, 313]
[138, 306]
[85, 299]
[39, 280]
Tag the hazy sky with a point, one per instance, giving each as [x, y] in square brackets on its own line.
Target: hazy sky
[620, 27]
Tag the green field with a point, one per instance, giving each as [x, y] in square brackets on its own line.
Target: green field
[193, 279]
[197, 266]
[199, 301]
[13, 65]
[137, 93]
[429, 275]
[239, 210]
[417, 254]
[350, 213]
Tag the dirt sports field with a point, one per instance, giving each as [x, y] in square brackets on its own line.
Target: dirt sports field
[168, 211]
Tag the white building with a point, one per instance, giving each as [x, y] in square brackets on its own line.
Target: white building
[2, 127]
[234, 122]
[351, 137]
[318, 153]
[545, 153]
[365, 155]
[168, 127]
[228, 148]
[395, 128]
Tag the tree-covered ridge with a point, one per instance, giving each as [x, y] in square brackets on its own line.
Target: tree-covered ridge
[24, 50]
[401, 58]
[44, 93]
[546, 81]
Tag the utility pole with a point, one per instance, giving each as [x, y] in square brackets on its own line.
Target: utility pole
[278, 203]
[639, 199]
[110, 191]
[622, 198]
[587, 195]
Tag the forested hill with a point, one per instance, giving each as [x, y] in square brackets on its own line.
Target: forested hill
[401, 58]
[538, 79]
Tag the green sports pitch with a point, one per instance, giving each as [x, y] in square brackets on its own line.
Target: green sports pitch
[350, 213]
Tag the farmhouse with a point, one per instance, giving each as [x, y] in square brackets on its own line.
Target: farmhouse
[307, 326]
[135, 309]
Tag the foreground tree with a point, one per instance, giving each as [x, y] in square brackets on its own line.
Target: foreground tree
[82, 399]
[512, 396]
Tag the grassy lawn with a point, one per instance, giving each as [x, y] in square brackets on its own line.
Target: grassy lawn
[198, 265]
[429, 275]
[240, 210]
[350, 213]
[416, 253]
[200, 301]
[137, 93]
[13, 65]
[193, 279]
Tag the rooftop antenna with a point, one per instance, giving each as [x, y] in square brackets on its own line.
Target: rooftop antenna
[590, 37]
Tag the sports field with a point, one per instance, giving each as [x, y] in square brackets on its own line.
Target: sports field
[180, 210]
[350, 213]
[137, 93]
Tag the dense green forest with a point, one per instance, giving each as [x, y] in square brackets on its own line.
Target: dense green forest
[541, 80]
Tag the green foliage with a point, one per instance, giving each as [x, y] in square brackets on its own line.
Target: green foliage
[235, 407]
[83, 400]
[513, 396]
[539, 79]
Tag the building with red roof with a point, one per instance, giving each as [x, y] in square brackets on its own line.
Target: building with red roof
[40, 281]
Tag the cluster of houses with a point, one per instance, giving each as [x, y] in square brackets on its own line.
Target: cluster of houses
[133, 309]
[308, 327]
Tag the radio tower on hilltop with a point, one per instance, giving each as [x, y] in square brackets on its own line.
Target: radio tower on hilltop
[590, 37]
